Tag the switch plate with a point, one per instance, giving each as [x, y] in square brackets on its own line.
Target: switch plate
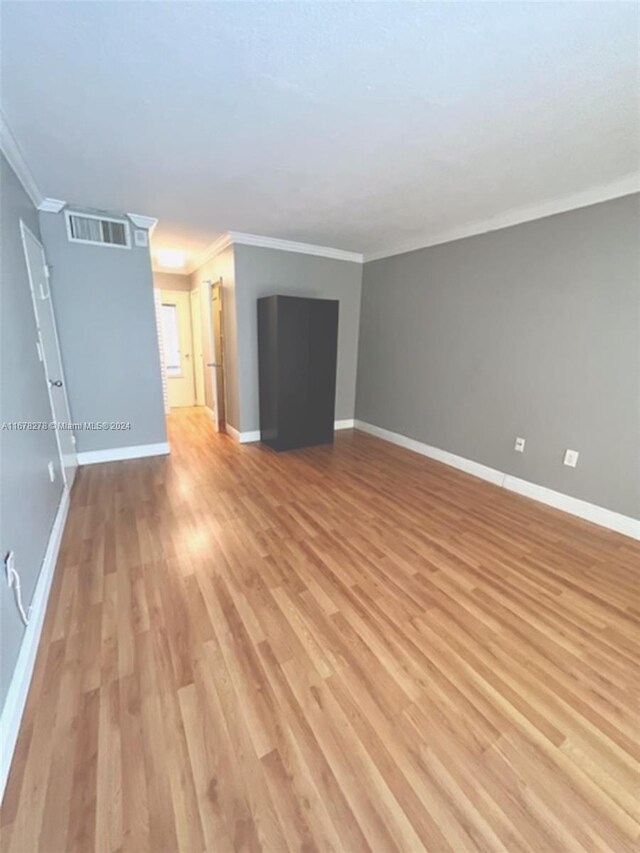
[519, 445]
[52, 471]
[571, 458]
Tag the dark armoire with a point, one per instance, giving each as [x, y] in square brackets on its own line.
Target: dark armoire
[297, 355]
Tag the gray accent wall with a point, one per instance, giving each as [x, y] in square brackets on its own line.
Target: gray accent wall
[28, 499]
[103, 299]
[530, 331]
[263, 272]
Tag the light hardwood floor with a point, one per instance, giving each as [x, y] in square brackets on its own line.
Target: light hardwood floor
[348, 648]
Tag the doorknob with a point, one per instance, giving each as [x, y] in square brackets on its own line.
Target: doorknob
[213, 364]
[55, 383]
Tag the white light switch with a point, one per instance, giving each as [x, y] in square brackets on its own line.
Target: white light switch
[519, 445]
[52, 471]
[571, 458]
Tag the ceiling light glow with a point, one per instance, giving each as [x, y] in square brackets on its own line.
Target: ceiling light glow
[173, 258]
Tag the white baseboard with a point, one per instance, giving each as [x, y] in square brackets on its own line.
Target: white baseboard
[19, 687]
[246, 437]
[475, 468]
[590, 512]
[240, 437]
[115, 454]
[583, 509]
[243, 437]
[232, 431]
[254, 435]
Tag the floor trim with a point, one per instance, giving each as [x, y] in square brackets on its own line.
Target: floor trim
[243, 437]
[247, 437]
[574, 506]
[21, 679]
[115, 454]
[254, 435]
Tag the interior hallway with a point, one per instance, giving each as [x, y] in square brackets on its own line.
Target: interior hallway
[340, 648]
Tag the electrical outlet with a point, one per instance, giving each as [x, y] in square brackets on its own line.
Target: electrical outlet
[52, 471]
[519, 445]
[571, 458]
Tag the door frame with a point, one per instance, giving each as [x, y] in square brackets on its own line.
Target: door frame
[24, 230]
[220, 423]
[196, 337]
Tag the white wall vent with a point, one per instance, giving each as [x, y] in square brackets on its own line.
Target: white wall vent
[97, 230]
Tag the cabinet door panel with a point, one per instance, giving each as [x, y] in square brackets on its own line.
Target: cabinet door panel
[323, 341]
[268, 368]
[293, 370]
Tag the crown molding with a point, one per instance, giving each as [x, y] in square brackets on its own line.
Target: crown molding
[51, 205]
[238, 238]
[628, 185]
[219, 245]
[155, 267]
[12, 151]
[625, 186]
[140, 221]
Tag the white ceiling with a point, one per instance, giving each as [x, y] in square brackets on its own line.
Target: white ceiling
[362, 126]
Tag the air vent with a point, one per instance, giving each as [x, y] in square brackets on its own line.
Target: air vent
[97, 230]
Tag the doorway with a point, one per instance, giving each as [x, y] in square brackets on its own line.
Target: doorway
[49, 352]
[177, 342]
[191, 338]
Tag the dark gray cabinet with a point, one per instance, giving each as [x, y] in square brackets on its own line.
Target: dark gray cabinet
[297, 354]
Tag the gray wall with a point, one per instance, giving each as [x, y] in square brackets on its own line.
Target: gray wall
[262, 272]
[103, 299]
[221, 266]
[28, 500]
[532, 331]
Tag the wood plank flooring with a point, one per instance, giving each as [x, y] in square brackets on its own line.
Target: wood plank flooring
[343, 648]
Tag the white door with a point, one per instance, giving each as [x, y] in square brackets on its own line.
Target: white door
[217, 365]
[178, 350]
[50, 351]
[198, 354]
